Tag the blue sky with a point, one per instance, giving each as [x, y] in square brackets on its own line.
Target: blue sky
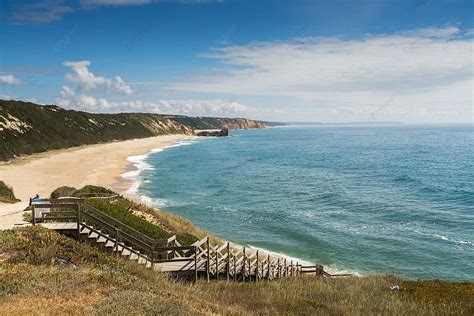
[330, 61]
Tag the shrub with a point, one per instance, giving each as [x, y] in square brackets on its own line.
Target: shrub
[6, 193]
[92, 189]
[63, 191]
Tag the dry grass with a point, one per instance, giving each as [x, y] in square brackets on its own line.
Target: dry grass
[175, 223]
[308, 295]
[42, 272]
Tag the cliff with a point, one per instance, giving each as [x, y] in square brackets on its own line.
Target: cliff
[220, 123]
[28, 128]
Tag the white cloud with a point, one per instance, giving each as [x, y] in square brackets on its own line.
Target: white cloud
[199, 108]
[78, 101]
[88, 81]
[72, 100]
[420, 69]
[121, 86]
[89, 95]
[9, 80]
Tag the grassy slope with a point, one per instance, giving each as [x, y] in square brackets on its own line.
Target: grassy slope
[43, 272]
[40, 128]
[6, 193]
[152, 222]
[68, 277]
[165, 225]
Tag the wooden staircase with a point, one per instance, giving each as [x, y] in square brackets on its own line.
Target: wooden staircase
[199, 260]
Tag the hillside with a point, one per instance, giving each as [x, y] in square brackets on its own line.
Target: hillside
[43, 272]
[27, 128]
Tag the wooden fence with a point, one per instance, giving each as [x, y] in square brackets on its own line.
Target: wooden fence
[201, 259]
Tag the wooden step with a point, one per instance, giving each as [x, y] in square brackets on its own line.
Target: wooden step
[85, 230]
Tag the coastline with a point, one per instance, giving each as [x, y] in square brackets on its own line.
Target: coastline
[98, 164]
[128, 181]
[114, 165]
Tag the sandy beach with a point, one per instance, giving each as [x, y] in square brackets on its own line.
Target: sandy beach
[100, 164]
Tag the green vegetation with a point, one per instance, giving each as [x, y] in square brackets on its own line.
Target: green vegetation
[42, 272]
[438, 292]
[92, 189]
[122, 210]
[6, 193]
[155, 224]
[63, 191]
[122, 213]
[27, 128]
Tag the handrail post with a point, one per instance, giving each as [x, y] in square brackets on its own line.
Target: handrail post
[217, 264]
[228, 261]
[33, 214]
[78, 221]
[250, 268]
[195, 264]
[235, 267]
[256, 269]
[208, 263]
[268, 267]
[243, 265]
[279, 269]
[116, 242]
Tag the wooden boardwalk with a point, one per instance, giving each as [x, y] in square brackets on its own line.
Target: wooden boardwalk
[201, 259]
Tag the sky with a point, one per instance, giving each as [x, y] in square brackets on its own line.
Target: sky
[305, 61]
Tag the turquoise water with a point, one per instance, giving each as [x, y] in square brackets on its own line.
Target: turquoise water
[355, 198]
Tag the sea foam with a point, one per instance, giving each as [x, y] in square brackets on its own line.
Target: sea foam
[139, 164]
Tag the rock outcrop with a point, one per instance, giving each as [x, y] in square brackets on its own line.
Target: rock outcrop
[222, 133]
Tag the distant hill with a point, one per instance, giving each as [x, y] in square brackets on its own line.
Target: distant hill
[28, 128]
[216, 122]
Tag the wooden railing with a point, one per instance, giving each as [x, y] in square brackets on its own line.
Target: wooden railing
[222, 261]
[227, 262]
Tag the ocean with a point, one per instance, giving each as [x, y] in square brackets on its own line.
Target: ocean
[362, 199]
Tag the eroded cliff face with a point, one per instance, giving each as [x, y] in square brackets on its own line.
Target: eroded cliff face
[204, 123]
[240, 123]
[165, 126]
